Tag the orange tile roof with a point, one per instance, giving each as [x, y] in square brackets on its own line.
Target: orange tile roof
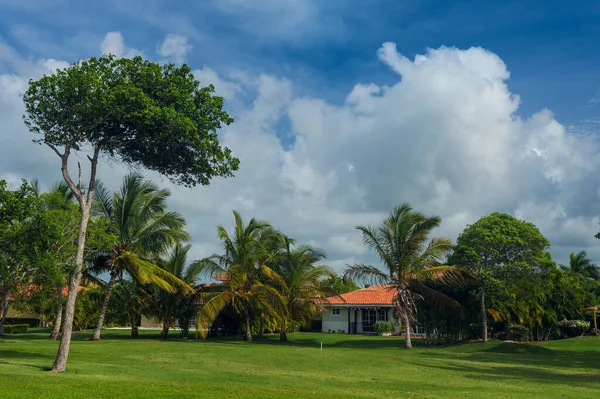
[221, 277]
[375, 295]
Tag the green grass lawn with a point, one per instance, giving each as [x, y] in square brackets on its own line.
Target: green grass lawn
[347, 367]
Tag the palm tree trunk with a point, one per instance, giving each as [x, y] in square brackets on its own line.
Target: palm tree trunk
[5, 307]
[594, 318]
[59, 311]
[165, 330]
[261, 328]
[104, 309]
[484, 326]
[282, 333]
[407, 328]
[248, 336]
[135, 320]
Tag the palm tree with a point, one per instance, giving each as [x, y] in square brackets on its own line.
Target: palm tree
[182, 304]
[302, 288]
[401, 244]
[251, 283]
[144, 229]
[581, 264]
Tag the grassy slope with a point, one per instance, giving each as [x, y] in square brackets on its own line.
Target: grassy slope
[347, 367]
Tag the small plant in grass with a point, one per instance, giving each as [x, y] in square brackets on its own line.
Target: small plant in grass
[16, 328]
[517, 332]
[384, 327]
[573, 328]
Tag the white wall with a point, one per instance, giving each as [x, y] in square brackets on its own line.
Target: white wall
[335, 323]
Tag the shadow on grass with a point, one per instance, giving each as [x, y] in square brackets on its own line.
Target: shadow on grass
[6, 355]
[515, 354]
[524, 372]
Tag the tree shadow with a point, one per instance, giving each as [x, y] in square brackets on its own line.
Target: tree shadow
[516, 373]
[6, 355]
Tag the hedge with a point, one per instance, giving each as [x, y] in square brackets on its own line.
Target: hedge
[31, 322]
[15, 328]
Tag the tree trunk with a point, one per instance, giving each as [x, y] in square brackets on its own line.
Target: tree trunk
[282, 332]
[59, 312]
[104, 309]
[261, 327]
[595, 321]
[5, 308]
[60, 364]
[165, 330]
[407, 328]
[134, 326]
[484, 326]
[248, 336]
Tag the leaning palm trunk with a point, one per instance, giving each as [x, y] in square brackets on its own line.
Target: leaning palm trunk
[248, 336]
[59, 311]
[282, 331]
[261, 327]
[165, 329]
[102, 315]
[407, 322]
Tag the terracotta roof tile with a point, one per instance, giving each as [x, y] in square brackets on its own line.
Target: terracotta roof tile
[375, 295]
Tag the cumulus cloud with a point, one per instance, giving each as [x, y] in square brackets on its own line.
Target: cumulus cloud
[445, 137]
[114, 43]
[224, 88]
[175, 47]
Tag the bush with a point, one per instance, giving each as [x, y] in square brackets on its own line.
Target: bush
[384, 327]
[31, 322]
[517, 332]
[16, 328]
[573, 328]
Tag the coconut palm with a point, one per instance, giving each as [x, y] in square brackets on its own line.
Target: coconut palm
[182, 304]
[581, 264]
[251, 283]
[401, 244]
[144, 229]
[302, 288]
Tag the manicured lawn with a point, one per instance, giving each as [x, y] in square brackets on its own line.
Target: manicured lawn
[347, 367]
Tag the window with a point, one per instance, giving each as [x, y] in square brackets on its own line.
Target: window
[335, 312]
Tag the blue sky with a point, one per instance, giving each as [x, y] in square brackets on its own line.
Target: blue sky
[321, 148]
[549, 46]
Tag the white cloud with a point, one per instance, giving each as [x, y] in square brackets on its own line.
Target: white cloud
[114, 43]
[175, 47]
[223, 88]
[445, 137]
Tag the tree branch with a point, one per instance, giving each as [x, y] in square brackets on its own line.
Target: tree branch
[65, 172]
[92, 184]
[54, 149]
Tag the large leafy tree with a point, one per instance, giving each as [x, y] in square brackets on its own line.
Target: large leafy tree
[338, 284]
[27, 232]
[301, 288]
[501, 249]
[411, 259]
[134, 111]
[251, 283]
[144, 229]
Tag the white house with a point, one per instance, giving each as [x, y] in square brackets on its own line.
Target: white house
[356, 312]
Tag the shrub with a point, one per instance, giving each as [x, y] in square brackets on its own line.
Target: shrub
[573, 328]
[31, 322]
[517, 332]
[383, 327]
[16, 328]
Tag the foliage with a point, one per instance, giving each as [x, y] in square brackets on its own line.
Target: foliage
[134, 110]
[517, 332]
[580, 263]
[31, 322]
[251, 283]
[15, 328]
[384, 327]
[301, 280]
[144, 230]
[401, 242]
[508, 257]
[339, 284]
[573, 328]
